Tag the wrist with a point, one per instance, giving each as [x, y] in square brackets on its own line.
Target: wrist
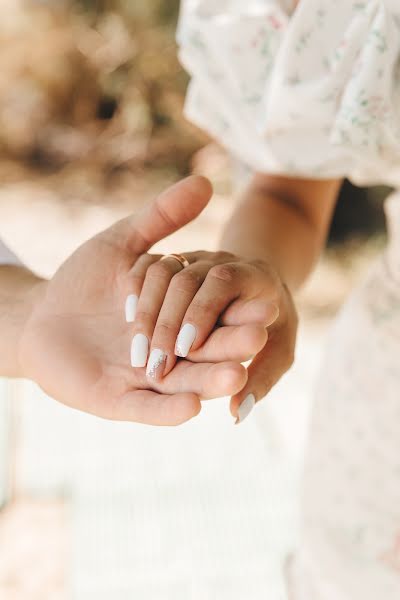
[20, 293]
[31, 303]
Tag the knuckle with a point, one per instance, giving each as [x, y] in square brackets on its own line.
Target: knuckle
[226, 273]
[223, 256]
[200, 307]
[165, 330]
[159, 270]
[163, 214]
[144, 260]
[186, 280]
[204, 255]
[256, 268]
[258, 264]
[142, 318]
[262, 268]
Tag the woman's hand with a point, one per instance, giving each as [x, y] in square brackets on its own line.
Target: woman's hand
[178, 311]
[75, 343]
[274, 360]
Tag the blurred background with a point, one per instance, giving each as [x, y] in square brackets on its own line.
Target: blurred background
[91, 127]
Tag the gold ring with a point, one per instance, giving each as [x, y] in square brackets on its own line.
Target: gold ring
[182, 260]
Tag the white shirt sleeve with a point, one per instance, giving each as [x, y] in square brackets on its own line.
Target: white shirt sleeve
[7, 257]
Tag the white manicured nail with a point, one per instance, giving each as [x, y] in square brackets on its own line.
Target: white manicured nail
[245, 408]
[155, 366]
[139, 350]
[130, 308]
[185, 339]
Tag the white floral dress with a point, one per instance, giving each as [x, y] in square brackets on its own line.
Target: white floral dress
[314, 91]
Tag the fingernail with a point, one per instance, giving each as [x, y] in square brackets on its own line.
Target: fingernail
[156, 364]
[245, 408]
[130, 308]
[139, 350]
[185, 340]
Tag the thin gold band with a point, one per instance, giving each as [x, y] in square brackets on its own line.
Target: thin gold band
[182, 260]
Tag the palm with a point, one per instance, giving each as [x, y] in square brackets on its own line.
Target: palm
[76, 343]
[78, 334]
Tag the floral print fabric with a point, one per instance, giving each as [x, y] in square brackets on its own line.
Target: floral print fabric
[350, 543]
[315, 92]
[310, 91]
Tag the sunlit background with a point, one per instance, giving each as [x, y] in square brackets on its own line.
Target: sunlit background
[91, 127]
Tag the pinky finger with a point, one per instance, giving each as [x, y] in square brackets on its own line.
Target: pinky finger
[264, 372]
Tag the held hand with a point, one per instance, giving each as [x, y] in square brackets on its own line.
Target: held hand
[76, 342]
[178, 311]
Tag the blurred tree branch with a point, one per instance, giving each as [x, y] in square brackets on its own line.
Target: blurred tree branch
[97, 81]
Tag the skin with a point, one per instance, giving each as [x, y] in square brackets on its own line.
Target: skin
[170, 297]
[69, 334]
[284, 222]
[224, 289]
[73, 341]
[269, 247]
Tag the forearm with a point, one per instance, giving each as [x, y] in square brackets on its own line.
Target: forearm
[278, 221]
[19, 290]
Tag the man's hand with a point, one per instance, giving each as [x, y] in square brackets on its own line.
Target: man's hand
[178, 312]
[76, 342]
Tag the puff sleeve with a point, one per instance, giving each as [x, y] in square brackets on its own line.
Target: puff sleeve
[312, 91]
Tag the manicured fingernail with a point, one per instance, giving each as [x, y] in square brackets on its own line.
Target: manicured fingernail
[245, 408]
[156, 364]
[185, 340]
[139, 350]
[130, 308]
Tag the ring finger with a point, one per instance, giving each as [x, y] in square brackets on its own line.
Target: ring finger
[154, 288]
[183, 287]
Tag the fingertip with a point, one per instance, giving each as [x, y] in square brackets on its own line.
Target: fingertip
[251, 311]
[198, 192]
[186, 407]
[255, 337]
[231, 378]
[265, 312]
[201, 185]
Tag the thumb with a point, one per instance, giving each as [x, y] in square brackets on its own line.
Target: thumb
[171, 210]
